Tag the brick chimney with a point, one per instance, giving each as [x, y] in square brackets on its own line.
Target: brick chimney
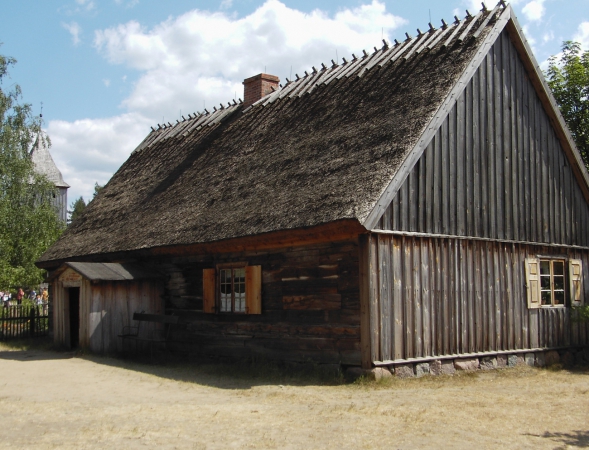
[258, 86]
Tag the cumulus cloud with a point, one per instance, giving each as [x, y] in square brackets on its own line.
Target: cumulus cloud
[534, 10]
[88, 5]
[226, 4]
[204, 56]
[91, 150]
[201, 58]
[582, 35]
[75, 30]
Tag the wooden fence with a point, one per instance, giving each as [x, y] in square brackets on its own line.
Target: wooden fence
[20, 321]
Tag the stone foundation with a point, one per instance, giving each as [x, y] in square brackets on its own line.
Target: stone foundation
[567, 358]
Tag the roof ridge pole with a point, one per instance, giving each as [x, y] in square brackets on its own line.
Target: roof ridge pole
[411, 158]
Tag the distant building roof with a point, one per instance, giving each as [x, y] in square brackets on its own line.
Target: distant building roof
[44, 163]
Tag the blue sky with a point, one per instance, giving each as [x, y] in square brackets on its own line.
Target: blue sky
[106, 70]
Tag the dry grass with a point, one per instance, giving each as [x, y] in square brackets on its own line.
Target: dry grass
[51, 399]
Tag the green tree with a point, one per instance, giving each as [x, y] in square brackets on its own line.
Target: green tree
[77, 208]
[28, 219]
[97, 189]
[568, 77]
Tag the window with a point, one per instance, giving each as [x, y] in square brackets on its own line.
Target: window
[547, 282]
[552, 282]
[232, 290]
[235, 288]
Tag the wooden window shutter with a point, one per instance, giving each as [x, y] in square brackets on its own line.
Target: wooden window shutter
[576, 279]
[533, 282]
[253, 289]
[209, 291]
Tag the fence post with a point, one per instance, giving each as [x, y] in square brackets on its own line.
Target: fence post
[32, 321]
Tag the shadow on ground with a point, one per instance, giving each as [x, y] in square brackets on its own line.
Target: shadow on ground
[575, 438]
[34, 355]
[209, 372]
[226, 375]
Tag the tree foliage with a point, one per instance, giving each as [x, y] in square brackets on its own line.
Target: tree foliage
[77, 207]
[568, 77]
[97, 189]
[28, 220]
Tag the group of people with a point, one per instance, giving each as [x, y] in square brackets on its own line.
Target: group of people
[36, 297]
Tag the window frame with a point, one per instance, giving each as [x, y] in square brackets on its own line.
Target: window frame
[232, 267]
[572, 281]
[252, 287]
[552, 275]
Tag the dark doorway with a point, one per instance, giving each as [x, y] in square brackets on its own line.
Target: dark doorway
[74, 296]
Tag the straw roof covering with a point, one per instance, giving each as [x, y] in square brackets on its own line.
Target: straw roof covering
[321, 149]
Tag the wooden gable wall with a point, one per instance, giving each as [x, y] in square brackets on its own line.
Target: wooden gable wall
[495, 168]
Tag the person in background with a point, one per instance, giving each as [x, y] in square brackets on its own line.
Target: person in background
[32, 295]
[19, 296]
[45, 295]
[39, 299]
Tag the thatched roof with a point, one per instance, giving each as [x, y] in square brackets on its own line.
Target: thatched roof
[321, 149]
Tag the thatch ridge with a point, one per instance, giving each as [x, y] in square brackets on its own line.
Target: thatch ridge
[321, 149]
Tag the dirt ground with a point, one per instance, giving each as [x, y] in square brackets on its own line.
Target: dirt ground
[57, 400]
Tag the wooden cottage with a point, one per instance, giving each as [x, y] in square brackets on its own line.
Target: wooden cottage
[421, 202]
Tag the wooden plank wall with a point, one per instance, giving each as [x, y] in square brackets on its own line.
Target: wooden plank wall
[111, 306]
[495, 168]
[441, 296]
[105, 307]
[310, 306]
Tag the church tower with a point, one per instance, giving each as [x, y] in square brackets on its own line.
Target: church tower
[44, 165]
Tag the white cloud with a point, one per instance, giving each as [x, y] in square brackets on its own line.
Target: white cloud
[226, 4]
[203, 57]
[548, 37]
[86, 4]
[106, 82]
[529, 38]
[91, 150]
[582, 35]
[75, 30]
[534, 10]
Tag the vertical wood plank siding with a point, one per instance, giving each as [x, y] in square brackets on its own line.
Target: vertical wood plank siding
[495, 168]
[105, 308]
[462, 296]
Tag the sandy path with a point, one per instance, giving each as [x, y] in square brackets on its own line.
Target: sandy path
[50, 400]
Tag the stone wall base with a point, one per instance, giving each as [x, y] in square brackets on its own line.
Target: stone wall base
[567, 358]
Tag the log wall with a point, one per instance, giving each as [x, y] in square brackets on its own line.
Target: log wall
[495, 168]
[442, 296]
[310, 306]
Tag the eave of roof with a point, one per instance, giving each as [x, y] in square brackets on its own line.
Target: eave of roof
[108, 271]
